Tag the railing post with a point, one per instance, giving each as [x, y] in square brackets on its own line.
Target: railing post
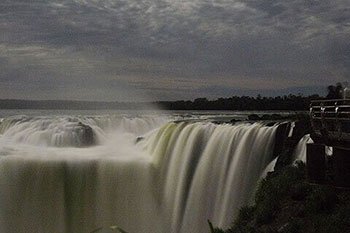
[316, 162]
[341, 166]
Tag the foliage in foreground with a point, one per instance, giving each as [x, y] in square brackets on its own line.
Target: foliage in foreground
[286, 203]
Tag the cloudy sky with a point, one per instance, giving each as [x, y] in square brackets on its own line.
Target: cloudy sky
[171, 49]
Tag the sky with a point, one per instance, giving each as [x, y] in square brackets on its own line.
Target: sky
[137, 50]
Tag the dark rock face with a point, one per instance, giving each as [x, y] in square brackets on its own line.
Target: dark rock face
[270, 124]
[139, 139]
[280, 138]
[285, 145]
[234, 121]
[86, 135]
[278, 117]
[341, 166]
[254, 117]
[316, 165]
[266, 117]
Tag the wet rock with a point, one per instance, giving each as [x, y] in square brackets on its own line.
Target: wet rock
[254, 117]
[277, 117]
[270, 124]
[234, 121]
[139, 139]
[273, 117]
[186, 115]
[266, 117]
[285, 145]
[280, 139]
[86, 135]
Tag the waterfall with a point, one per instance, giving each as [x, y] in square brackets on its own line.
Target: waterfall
[208, 171]
[173, 180]
[300, 150]
[68, 131]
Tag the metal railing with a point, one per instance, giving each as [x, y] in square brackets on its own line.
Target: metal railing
[330, 119]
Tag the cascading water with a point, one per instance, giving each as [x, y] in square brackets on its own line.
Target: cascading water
[300, 150]
[208, 171]
[67, 131]
[173, 180]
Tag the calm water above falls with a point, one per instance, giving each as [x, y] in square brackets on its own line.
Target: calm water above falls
[144, 173]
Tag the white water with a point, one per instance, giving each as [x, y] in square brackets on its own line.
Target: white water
[176, 178]
[300, 150]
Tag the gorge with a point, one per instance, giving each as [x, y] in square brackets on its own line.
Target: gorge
[144, 173]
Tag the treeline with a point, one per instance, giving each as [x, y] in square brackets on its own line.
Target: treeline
[290, 102]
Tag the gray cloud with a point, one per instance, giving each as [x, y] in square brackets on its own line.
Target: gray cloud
[128, 49]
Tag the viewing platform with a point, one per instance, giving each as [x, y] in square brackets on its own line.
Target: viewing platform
[330, 121]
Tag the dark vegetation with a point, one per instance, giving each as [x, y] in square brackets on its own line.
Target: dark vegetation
[290, 102]
[286, 102]
[286, 203]
[335, 92]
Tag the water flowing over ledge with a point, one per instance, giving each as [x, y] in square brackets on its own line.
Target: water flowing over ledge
[173, 180]
[71, 131]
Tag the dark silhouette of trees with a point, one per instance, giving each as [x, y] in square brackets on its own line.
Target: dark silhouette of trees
[290, 102]
[335, 92]
[287, 102]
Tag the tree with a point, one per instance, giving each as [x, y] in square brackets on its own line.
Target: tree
[335, 92]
